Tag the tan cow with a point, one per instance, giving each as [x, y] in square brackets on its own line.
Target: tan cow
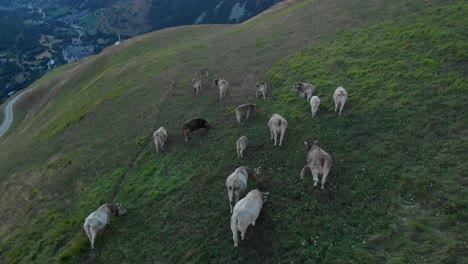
[340, 96]
[160, 137]
[97, 220]
[223, 86]
[305, 89]
[241, 145]
[196, 85]
[318, 161]
[278, 126]
[246, 212]
[244, 109]
[261, 89]
[236, 183]
[314, 104]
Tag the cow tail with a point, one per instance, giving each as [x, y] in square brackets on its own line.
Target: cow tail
[238, 115]
[303, 171]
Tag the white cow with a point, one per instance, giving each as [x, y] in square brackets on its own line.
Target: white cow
[340, 96]
[241, 145]
[223, 86]
[305, 89]
[244, 109]
[160, 137]
[236, 183]
[246, 213]
[318, 161]
[314, 104]
[196, 85]
[261, 89]
[278, 126]
[98, 219]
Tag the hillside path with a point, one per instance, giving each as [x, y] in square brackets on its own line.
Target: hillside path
[8, 110]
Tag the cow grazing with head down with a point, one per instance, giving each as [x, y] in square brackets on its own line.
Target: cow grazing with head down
[236, 183]
[314, 104]
[278, 126]
[261, 89]
[246, 212]
[97, 220]
[305, 89]
[318, 161]
[159, 137]
[196, 85]
[244, 109]
[193, 125]
[340, 96]
[223, 86]
[241, 145]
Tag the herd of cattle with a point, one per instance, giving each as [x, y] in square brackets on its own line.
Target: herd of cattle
[244, 211]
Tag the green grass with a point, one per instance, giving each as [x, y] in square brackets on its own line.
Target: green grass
[396, 192]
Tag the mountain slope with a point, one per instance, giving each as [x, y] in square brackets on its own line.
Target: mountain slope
[396, 190]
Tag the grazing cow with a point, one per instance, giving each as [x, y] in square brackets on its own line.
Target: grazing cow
[98, 219]
[236, 183]
[246, 212]
[261, 89]
[278, 126]
[340, 96]
[244, 109]
[314, 104]
[305, 89]
[223, 87]
[196, 85]
[241, 145]
[159, 137]
[193, 125]
[318, 161]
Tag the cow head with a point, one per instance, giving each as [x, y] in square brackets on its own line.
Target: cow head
[215, 82]
[119, 209]
[256, 175]
[207, 125]
[298, 87]
[311, 144]
[264, 196]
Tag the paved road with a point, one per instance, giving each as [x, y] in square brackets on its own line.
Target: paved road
[8, 119]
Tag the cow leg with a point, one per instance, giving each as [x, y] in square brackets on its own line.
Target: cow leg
[324, 177]
[315, 173]
[336, 104]
[93, 236]
[341, 106]
[275, 138]
[263, 95]
[241, 153]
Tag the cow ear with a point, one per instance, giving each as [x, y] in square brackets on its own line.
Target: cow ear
[305, 143]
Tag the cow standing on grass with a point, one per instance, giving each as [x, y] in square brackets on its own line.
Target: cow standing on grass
[193, 125]
[236, 183]
[241, 145]
[314, 104]
[305, 89]
[318, 161]
[340, 96]
[246, 212]
[97, 220]
[223, 86]
[261, 89]
[278, 126]
[244, 109]
[160, 137]
[196, 85]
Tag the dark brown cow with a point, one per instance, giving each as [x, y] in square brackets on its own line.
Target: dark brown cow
[193, 125]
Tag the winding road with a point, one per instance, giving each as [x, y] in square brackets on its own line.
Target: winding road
[8, 110]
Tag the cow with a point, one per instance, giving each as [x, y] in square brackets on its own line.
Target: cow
[193, 125]
[246, 212]
[236, 183]
[244, 109]
[261, 89]
[223, 86]
[241, 145]
[196, 85]
[318, 161]
[97, 220]
[278, 126]
[314, 104]
[160, 137]
[305, 89]
[340, 96]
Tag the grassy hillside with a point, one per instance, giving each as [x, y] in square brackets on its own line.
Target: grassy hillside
[396, 192]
